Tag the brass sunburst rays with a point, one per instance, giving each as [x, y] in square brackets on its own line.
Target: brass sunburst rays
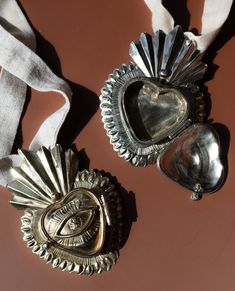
[72, 219]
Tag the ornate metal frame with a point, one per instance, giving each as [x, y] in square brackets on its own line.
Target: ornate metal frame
[72, 219]
[168, 63]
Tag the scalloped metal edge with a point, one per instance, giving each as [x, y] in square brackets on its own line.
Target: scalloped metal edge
[114, 126]
[56, 261]
[115, 130]
[102, 262]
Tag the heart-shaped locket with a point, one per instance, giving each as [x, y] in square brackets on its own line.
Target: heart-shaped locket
[72, 219]
[193, 160]
[76, 223]
[145, 105]
[152, 111]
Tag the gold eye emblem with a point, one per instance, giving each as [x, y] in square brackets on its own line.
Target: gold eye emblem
[76, 224]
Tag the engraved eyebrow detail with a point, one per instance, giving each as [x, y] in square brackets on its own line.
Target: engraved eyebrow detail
[90, 213]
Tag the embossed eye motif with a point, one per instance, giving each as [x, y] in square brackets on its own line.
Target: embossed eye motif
[72, 219]
[75, 222]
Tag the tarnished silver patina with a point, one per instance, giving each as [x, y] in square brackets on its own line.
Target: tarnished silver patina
[145, 105]
[72, 219]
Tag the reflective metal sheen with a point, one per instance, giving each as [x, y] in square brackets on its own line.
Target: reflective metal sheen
[151, 110]
[72, 219]
[193, 159]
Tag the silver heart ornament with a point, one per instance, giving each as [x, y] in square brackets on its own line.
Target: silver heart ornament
[154, 113]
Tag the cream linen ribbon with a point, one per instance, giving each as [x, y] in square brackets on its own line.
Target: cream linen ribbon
[215, 13]
[22, 67]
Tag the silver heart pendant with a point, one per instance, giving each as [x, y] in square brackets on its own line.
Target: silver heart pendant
[147, 104]
[72, 219]
[153, 111]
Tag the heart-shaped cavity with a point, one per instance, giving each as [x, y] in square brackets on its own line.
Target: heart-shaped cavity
[153, 111]
[76, 223]
[193, 159]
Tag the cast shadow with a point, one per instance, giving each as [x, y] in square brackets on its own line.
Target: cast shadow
[224, 136]
[84, 161]
[83, 106]
[84, 102]
[179, 10]
[129, 206]
[18, 142]
[226, 33]
[182, 17]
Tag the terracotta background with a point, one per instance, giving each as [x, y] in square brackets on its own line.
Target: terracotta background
[174, 243]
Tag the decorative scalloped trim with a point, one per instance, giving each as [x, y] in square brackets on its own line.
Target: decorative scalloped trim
[102, 263]
[200, 111]
[77, 264]
[166, 58]
[136, 155]
[114, 128]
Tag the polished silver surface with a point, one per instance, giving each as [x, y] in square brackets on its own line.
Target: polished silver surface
[193, 160]
[68, 219]
[145, 105]
[116, 122]
[153, 111]
[148, 109]
[138, 137]
[172, 57]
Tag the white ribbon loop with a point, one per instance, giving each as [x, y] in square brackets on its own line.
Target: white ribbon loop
[214, 15]
[161, 18]
[22, 67]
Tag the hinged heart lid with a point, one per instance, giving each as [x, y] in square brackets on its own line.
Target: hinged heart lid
[193, 160]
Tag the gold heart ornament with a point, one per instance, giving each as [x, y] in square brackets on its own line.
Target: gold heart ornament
[72, 219]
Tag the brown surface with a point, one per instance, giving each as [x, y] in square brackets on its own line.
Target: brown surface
[175, 244]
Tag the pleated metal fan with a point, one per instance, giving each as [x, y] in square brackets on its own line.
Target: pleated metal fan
[147, 106]
[72, 219]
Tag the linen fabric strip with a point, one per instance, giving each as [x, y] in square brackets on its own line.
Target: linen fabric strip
[22, 67]
[215, 13]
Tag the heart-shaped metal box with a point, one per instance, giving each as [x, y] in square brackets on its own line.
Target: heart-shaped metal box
[147, 104]
[72, 219]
